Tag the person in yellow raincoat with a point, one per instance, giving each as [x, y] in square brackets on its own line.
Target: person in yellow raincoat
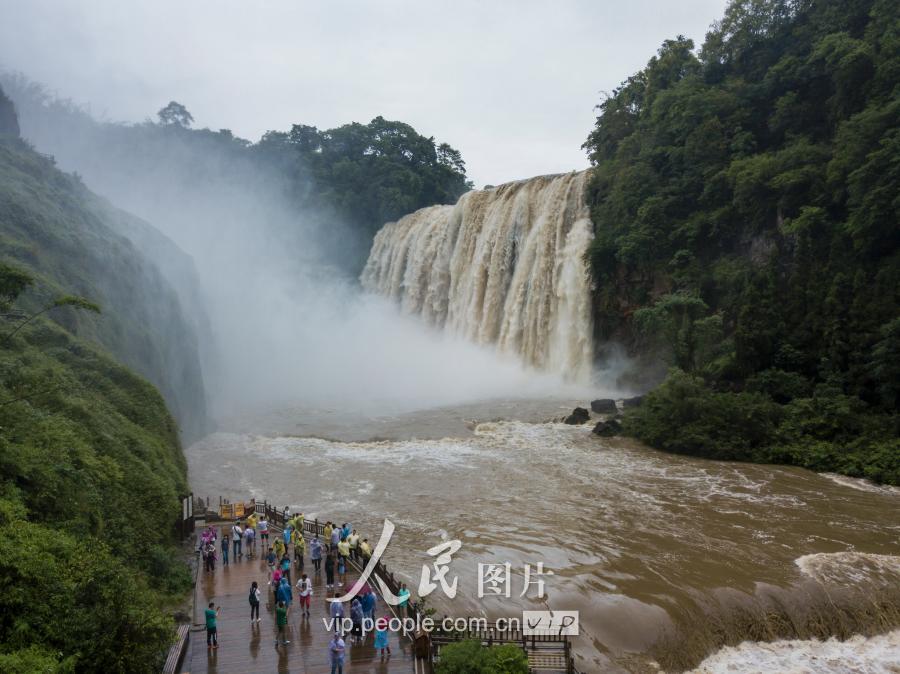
[299, 547]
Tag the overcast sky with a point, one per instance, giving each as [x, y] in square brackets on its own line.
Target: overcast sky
[510, 84]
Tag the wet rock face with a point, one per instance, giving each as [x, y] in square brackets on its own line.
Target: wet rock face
[604, 406]
[633, 402]
[579, 416]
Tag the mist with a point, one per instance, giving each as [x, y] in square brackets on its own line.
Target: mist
[280, 315]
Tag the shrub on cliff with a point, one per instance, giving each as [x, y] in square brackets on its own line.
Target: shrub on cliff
[470, 657]
[69, 596]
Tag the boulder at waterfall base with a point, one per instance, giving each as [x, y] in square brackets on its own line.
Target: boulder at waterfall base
[579, 416]
[604, 406]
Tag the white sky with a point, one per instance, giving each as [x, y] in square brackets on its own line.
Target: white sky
[512, 84]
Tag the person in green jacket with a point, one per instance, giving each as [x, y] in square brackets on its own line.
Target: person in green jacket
[212, 639]
[281, 616]
[403, 595]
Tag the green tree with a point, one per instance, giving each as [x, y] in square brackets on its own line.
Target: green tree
[884, 364]
[679, 323]
[61, 301]
[175, 114]
[13, 282]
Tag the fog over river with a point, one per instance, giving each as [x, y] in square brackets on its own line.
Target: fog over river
[667, 558]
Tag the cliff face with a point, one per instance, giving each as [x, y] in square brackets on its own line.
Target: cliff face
[182, 323]
[74, 242]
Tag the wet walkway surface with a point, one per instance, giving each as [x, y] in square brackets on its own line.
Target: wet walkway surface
[251, 648]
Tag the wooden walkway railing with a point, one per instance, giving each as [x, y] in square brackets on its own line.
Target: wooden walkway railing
[178, 649]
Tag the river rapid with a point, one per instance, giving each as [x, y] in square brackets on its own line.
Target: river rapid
[671, 561]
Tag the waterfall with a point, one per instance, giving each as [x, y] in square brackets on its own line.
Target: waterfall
[502, 266]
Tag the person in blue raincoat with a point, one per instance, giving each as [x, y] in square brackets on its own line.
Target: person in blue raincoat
[368, 606]
[356, 615]
[336, 653]
[285, 593]
[315, 553]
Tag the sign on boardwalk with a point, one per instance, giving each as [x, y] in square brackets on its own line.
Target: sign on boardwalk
[231, 511]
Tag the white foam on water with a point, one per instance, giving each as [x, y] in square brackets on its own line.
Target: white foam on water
[872, 655]
[840, 568]
[862, 484]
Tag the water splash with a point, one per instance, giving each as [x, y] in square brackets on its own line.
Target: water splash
[858, 654]
[851, 567]
[504, 266]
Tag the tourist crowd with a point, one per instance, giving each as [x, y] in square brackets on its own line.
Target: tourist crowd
[285, 555]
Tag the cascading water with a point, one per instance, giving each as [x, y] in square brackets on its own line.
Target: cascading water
[503, 266]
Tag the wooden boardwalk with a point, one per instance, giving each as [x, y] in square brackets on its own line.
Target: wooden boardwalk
[245, 648]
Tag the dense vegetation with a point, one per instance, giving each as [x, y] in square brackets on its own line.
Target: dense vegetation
[91, 472]
[370, 173]
[91, 469]
[746, 199]
[470, 657]
[342, 184]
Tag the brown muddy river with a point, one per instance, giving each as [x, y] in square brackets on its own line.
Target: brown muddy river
[666, 558]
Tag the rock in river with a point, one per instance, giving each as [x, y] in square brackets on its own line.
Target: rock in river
[604, 406]
[579, 416]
